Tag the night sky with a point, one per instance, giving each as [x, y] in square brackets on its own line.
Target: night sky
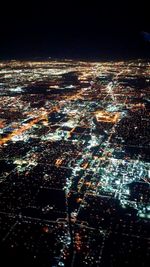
[91, 30]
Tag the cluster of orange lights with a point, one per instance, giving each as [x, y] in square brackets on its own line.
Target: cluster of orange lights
[78, 242]
[22, 129]
[2, 123]
[58, 162]
[104, 116]
[138, 106]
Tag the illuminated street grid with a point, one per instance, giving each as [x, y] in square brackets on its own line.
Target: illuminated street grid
[75, 163]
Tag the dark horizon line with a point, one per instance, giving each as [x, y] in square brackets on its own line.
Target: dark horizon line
[97, 56]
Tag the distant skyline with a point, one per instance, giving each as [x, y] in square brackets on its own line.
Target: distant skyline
[89, 30]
